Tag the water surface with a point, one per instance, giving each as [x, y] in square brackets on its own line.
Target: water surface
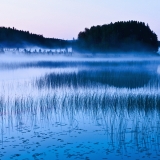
[85, 108]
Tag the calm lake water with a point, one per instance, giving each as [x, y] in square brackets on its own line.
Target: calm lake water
[85, 108]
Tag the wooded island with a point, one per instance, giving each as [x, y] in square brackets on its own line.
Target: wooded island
[118, 37]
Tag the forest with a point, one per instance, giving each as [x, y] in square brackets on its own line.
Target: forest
[118, 37]
[129, 36]
[11, 37]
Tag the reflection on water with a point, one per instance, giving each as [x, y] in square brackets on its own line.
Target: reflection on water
[80, 110]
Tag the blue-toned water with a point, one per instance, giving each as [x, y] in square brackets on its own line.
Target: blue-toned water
[85, 108]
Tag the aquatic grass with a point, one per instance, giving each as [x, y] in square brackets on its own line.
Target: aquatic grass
[127, 116]
[116, 118]
[81, 101]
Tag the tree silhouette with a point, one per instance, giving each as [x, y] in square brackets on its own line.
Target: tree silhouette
[10, 37]
[118, 37]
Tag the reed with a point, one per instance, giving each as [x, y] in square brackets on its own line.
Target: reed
[125, 109]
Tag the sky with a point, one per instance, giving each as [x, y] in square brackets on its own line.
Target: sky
[64, 19]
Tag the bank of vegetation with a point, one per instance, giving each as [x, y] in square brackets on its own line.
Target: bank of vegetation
[13, 38]
[118, 37]
[130, 36]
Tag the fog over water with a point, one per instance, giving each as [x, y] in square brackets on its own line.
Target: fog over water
[82, 107]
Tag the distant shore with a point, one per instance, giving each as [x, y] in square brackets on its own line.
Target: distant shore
[118, 37]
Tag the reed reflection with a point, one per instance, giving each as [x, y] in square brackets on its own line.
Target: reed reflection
[119, 105]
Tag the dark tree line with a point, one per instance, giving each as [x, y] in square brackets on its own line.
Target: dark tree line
[118, 37]
[10, 37]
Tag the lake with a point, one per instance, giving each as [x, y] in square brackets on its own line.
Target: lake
[79, 108]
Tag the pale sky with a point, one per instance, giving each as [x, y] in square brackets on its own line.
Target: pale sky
[66, 18]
